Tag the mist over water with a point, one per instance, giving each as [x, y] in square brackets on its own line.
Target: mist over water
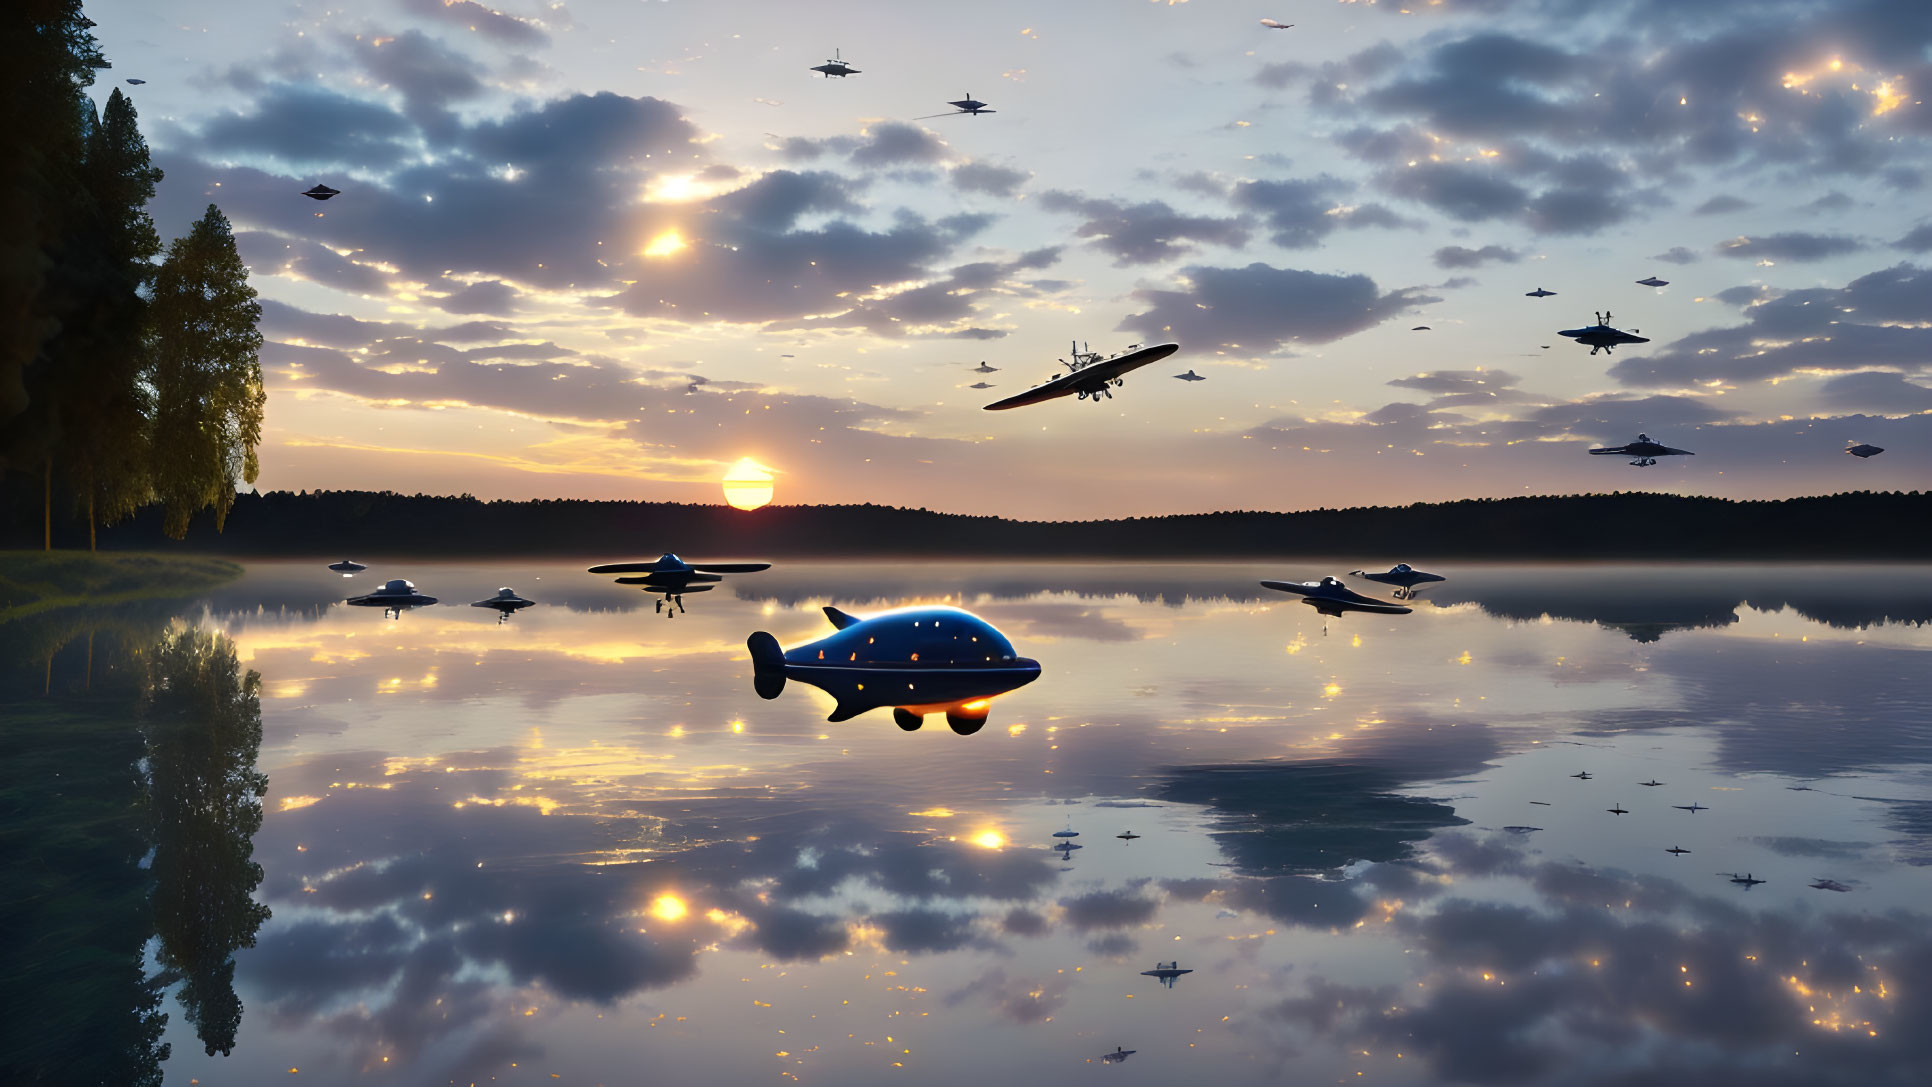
[577, 844]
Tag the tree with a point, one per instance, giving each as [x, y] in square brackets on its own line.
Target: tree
[205, 375]
[98, 357]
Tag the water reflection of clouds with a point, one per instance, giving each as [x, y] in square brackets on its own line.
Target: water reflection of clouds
[590, 786]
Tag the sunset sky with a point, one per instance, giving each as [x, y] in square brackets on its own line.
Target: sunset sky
[606, 249]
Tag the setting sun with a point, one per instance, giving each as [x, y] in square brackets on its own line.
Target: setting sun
[989, 839]
[666, 244]
[747, 484]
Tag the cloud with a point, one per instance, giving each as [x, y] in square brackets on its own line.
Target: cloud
[1144, 233]
[1875, 390]
[1792, 246]
[489, 296]
[276, 254]
[1261, 308]
[1873, 322]
[1108, 910]
[1677, 254]
[1300, 213]
[1722, 204]
[984, 177]
[895, 143]
[1916, 240]
[1456, 256]
[481, 19]
[309, 126]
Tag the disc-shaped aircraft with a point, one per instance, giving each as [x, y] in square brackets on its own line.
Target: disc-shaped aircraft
[1090, 376]
[1643, 449]
[968, 104]
[1403, 576]
[671, 577]
[396, 595]
[1331, 598]
[1862, 451]
[835, 67]
[506, 602]
[1539, 293]
[1600, 336]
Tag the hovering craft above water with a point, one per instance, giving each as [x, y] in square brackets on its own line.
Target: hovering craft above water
[506, 602]
[1403, 576]
[671, 577]
[396, 595]
[916, 660]
[347, 568]
[1090, 376]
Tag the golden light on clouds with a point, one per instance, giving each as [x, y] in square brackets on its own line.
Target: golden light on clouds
[989, 839]
[747, 484]
[668, 908]
[667, 244]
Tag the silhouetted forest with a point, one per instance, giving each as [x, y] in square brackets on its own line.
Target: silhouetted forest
[1856, 525]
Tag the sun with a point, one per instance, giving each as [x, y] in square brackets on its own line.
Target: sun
[747, 484]
[666, 244]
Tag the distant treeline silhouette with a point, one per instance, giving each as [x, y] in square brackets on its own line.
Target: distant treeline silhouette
[1856, 525]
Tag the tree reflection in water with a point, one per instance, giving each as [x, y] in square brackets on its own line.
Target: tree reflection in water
[128, 798]
[203, 719]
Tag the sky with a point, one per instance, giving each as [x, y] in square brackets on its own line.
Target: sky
[604, 249]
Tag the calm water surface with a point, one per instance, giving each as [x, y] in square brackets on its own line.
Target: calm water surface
[576, 848]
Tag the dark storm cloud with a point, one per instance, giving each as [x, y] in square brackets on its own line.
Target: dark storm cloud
[1789, 246]
[1456, 256]
[984, 177]
[1261, 308]
[1300, 213]
[1872, 322]
[1875, 390]
[489, 296]
[488, 21]
[309, 126]
[1722, 204]
[1109, 910]
[1143, 233]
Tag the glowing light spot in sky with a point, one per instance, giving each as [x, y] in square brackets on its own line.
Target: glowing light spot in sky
[666, 244]
[747, 484]
[668, 908]
[989, 839]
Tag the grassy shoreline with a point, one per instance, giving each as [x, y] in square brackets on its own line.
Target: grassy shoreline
[34, 582]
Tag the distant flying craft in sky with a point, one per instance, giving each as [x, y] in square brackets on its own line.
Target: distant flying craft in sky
[1331, 598]
[1089, 376]
[968, 104]
[1643, 449]
[347, 568]
[1745, 880]
[395, 595]
[1618, 810]
[1166, 972]
[1677, 851]
[1861, 451]
[1126, 835]
[1401, 575]
[1653, 281]
[1581, 775]
[835, 67]
[981, 385]
[1539, 293]
[1693, 807]
[917, 660]
[506, 602]
[1600, 336]
[982, 368]
[1272, 25]
[1822, 884]
[1653, 783]
[1189, 376]
[321, 192]
[1118, 1055]
[671, 577]
[1421, 328]
[137, 82]
[1067, 833]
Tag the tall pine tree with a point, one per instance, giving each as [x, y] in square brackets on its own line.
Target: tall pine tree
[205, 375]
[102, 445]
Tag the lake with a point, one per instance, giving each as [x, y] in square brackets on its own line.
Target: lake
[575, 847]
